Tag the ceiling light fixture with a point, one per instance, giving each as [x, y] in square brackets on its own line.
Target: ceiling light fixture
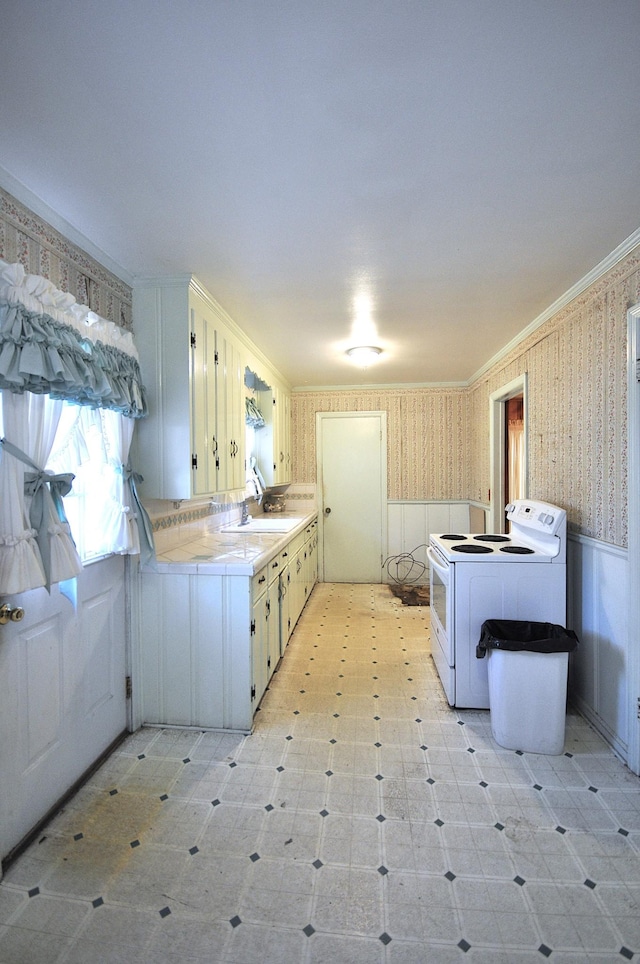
[364, 355]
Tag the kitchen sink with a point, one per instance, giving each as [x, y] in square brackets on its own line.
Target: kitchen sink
[265, 524]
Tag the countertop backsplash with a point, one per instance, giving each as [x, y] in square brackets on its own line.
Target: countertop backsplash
[178, 523]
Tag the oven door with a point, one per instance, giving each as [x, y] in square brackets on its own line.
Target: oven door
[441, 584]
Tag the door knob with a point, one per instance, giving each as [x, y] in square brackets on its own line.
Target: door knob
[327, 511]
[7, 613]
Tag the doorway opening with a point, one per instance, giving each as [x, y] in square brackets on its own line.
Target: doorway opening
[514, 467]
[633, 618]
[508, 445]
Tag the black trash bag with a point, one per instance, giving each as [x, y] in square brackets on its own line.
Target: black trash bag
[517, 636]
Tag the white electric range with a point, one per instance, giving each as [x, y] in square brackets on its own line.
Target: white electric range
[473, 577]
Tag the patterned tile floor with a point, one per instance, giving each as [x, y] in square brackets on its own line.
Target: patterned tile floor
[363, 822]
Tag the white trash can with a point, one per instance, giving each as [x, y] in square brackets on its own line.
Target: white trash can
[527, 671]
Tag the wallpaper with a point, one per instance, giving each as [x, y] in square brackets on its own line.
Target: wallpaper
[438, 439]
[426, 436]
[40, 249]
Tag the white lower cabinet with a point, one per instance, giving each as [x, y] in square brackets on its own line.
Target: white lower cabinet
[260, 628]
[284, 599]
[209, 644]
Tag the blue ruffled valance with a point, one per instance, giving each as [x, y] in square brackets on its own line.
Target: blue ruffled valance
[51, 345]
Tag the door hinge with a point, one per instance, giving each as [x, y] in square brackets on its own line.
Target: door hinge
[193, 339]
[253, 692]
[215, 357]
[194, 461]
[253, 627]
[128, 687]
[638, 369]
[638, 707]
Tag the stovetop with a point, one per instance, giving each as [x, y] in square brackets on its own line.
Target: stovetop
[538, 534]
[470, 547]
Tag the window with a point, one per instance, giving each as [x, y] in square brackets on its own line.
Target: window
[92, 445]
[71, 390]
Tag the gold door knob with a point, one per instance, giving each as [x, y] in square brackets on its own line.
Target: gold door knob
[7, 613]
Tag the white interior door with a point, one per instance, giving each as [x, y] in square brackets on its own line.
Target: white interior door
[63, 702]
[352, 479]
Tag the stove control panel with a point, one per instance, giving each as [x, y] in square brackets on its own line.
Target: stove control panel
[537, 516]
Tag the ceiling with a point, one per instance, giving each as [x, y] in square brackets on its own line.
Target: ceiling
[436, 173]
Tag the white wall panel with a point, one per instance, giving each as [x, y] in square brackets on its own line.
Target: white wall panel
[598, 613]
[409, 525]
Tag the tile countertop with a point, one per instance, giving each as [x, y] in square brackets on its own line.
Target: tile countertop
[216, 552]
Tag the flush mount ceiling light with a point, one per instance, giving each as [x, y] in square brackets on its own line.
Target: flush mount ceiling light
[364, 355]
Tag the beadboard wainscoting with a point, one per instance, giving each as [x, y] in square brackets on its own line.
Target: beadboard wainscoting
[597, 611]
[408, 527]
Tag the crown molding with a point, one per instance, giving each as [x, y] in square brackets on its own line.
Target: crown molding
[392, 386]
[617, 255]
[42, 210]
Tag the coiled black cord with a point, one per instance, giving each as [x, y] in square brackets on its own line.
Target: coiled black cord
[412, 569]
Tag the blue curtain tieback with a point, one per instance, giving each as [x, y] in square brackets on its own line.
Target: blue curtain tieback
[46, 491]
[145, 529]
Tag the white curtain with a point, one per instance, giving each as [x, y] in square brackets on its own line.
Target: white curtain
[46, 444]
[30, 425]
[80, 445]
[44, 416]
[102, 506]
[121, 514]
[20, 562]
[515, 437]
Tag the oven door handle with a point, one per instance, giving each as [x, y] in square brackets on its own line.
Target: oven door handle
[433, 559]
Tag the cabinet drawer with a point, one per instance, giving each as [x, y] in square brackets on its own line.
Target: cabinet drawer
[273, 569]
[259, 582]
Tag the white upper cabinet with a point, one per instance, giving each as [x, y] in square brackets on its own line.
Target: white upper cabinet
[273, 440]
[192, 443]
[230, 438]
[282, 436]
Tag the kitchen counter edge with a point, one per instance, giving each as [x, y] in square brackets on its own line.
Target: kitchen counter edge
[216, 552]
